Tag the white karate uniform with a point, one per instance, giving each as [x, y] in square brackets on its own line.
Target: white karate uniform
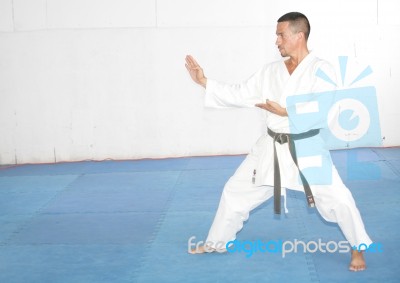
[240, 195]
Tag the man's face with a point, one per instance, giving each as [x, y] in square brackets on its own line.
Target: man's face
[286, 40]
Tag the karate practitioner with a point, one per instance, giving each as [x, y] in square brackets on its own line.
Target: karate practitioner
[253, 182]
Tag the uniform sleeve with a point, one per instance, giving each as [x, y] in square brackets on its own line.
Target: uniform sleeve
[245, 94]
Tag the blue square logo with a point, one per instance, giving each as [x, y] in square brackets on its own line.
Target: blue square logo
[348, 118]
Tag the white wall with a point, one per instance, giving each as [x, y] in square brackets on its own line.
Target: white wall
[90, 79]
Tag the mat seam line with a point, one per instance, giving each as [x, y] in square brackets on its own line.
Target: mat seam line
[157, 228]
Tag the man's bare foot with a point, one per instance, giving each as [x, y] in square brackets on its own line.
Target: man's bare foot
[201, 250]
[357, 262]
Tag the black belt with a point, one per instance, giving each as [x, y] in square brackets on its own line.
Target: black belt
[289, 138]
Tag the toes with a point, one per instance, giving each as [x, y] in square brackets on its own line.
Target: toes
[356, 268]
[196, 251]
[352, 268]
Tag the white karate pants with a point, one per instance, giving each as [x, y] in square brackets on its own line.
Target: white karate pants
[335, 203]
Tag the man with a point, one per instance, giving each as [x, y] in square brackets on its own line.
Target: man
[272, 163]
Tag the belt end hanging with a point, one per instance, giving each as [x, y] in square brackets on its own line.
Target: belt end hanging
[277, 205]
[310, 200]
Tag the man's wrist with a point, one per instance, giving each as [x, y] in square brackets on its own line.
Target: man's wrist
[203, 82]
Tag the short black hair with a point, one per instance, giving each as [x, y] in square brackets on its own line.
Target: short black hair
[298, 22]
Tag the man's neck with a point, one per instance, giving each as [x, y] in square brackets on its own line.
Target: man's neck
[295, 59]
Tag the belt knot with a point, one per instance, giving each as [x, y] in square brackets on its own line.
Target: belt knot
[281, 138]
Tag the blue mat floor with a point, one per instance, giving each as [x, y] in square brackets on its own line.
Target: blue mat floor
[130, 221]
